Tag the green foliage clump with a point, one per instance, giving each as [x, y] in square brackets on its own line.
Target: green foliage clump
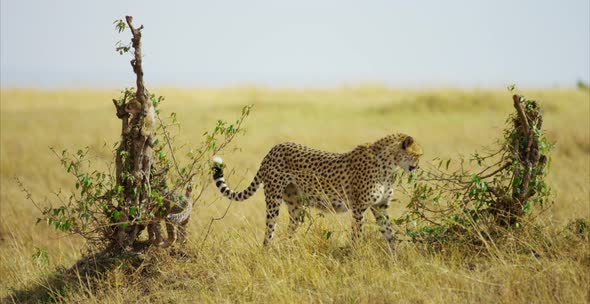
[97, 203]
[473, 199]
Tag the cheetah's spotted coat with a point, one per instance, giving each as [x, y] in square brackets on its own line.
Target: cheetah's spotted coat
[359, 180]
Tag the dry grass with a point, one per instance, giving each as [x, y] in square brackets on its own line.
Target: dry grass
[533, 266]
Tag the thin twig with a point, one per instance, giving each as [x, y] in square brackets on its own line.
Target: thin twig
[213, 219]
[169, 144]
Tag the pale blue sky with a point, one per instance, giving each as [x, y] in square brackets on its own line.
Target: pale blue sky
[299, 43]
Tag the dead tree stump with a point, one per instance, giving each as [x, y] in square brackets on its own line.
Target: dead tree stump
[135, 155]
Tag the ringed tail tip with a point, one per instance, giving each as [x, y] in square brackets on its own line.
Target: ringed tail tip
[217, 160]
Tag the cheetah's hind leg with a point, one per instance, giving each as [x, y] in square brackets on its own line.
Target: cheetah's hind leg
[291, 196]
[272, 214]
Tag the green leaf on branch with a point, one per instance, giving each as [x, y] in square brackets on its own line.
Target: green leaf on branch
[119, 25]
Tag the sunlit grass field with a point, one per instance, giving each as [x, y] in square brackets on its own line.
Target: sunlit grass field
[231, 265]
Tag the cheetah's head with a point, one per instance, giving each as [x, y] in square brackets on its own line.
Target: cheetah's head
[408, 155]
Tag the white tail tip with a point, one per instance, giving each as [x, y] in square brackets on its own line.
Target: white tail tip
[217, 160]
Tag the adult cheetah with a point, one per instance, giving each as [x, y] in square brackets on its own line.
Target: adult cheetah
[357, 180]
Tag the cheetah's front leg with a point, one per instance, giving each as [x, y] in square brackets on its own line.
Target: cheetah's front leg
[382, 218]
[358, 214]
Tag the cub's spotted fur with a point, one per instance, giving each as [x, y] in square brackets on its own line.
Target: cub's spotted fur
[358, 180]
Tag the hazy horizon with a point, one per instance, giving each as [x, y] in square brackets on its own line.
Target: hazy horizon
[429, 44]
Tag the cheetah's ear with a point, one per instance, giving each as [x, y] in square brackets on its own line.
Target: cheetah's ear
[407, 142]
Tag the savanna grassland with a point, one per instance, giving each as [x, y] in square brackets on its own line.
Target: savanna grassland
[230, 265]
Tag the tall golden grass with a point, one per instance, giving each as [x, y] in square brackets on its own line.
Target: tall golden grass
[543, 263]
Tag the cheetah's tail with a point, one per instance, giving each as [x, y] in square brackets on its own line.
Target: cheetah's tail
[224, 188]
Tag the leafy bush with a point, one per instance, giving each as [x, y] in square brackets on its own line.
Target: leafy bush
[110, 208]
[469, 200]
[92, 208]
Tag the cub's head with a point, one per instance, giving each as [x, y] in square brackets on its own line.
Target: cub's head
[133, 106]
[408, 154]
